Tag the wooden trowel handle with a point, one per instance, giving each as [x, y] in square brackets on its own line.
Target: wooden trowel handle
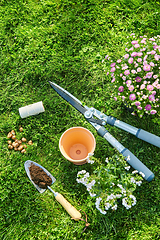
[73, 212]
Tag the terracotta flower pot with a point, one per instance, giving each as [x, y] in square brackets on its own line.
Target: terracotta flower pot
[76, 144]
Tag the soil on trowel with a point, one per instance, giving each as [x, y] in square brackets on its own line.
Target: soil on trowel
[39, 177]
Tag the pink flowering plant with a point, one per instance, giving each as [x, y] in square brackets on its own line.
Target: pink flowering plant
[136, 75]
[112, 183]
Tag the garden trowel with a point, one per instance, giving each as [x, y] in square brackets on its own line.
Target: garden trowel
[73, 212]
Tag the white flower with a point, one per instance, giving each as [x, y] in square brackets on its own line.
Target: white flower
[106, 160]
[98, 200]
[92, 194]
[90, 161]
[118, 195]
[127, 168]
[81, 172]
[134, 199]
[128, 158]
[142, 174]
[133, 180]
[90, 185]
[107, 205]
[114, 207]
[139, 183]
[135, 171]
[125, 203]
[88, 158]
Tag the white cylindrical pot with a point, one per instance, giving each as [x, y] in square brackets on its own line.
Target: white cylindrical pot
[32, 109]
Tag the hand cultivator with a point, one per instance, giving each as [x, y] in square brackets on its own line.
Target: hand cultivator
[101, 120]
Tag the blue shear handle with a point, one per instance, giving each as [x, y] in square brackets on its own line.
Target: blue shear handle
[148, 137]
[137, 164]
[130, 158]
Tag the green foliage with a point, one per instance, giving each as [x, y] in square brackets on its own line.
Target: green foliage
[65, 41]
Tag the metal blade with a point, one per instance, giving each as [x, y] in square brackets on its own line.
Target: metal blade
[27, 165]
[75, 103]
[68, 97]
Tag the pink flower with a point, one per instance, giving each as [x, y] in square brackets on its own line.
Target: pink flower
[119, 60]
[136, 45]
[137, 103]
[139, 107]
[139, 54]
[132, 97]
[121, 89]
[139, 60]
[158, 86]
[153, 112]
[139, 69]
[113, 69]
[126, 72]
[138, 79]
[149, 74]
[146, 67]
[124, 67]
[128, 82]
[152, 39]
[133, 54]
[113, 80]
[156, 57]
[126, 56]
[142, 86]
[153, 52]
[149, 87]
[131, 88]
[115, 98]
[155, 46]
[151, 97]
[148, 107]
[154, 92]
[143, 41]
[155, 76]
[130, 60]
[144, 59]
[113, 65]
[152, 64]
[134, 42]
[136, 65]
[133, 71]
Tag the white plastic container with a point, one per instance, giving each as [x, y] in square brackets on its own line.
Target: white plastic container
[32, 109]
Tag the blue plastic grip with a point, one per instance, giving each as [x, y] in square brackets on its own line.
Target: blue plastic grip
[137, 164]
[111, 120]
[148, 137]
[130, 158]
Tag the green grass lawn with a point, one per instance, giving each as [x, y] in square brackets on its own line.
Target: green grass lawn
[64, 41]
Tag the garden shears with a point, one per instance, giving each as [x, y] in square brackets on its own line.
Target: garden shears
[101, 120]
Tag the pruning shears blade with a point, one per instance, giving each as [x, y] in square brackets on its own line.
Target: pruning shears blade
[68, 97]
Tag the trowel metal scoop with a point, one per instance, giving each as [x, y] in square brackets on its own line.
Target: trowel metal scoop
[73, 212]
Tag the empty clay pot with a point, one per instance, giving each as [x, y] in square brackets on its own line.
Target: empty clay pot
[76, 144]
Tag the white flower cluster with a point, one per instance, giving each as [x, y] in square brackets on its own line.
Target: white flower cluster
[125, 201]
[138, 183]
[110, 184]
[123, 191]
[98, 201]
[84, 181]
[88, 158]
